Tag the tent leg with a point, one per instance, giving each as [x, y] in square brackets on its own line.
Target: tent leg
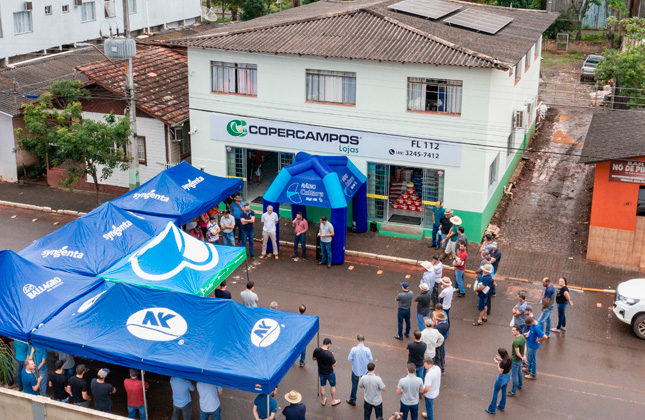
[268, 406]
[143, 384]
[246, 260]
[318, 345]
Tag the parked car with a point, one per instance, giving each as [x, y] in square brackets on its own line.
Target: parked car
[629, 305]
[589, 66]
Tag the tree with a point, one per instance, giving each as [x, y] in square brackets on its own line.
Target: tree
[614, 9]
[579, 9]
[626, 69]
[252, 9]
[83, 146]
[7, 369]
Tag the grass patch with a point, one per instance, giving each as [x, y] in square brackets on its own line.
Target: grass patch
[552, 61]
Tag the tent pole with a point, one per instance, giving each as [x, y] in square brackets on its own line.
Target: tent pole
[318, 345]
[143, 385]
[268, 408]
[246, 260]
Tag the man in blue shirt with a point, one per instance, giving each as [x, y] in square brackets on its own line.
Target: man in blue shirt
[535, 335]
[548, 302]
[209, 406]
[30, 383]
[439, 212]
[360, 356]
[22, 352]
[181, 400]
[482, 293]
[40, 358]
[260, 409]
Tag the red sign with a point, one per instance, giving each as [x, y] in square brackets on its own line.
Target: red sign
[631, 171]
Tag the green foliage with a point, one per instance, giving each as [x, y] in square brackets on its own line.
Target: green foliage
[628, 68]
[561, 24]
[634, 27]
[252, 9]
[80, 145]
[308, 1]
[6, 363]
[67, 91]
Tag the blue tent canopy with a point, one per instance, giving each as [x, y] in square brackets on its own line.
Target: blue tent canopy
[176, 261]
[31, 295]
[322, 181]
[216, 341]
[92, 243]
[181, 192]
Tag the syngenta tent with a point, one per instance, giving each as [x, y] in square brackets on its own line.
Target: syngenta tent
[176, 261]
[31, 295]
[182, 193]
[203, 339]
[94, 242]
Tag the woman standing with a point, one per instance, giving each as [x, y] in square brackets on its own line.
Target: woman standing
[504, 363]
[562, 298]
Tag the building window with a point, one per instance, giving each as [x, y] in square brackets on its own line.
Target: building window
[538, 45]
[22, 22]
[141, 149]
[66, 8]
[518, 71]
[180, 135]
[88, 13]
[110, 8]
[527, 60]
[509, 145]
[48, 10]
[492, 172]
[435, 95]
[237, 78]
[331, 86]
[0, 25]
[132, 6]
[640, 209]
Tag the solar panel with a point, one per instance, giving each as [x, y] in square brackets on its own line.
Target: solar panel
[432, 9]
[479, 21]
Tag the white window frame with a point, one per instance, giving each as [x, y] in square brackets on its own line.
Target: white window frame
[65, 8]
[420, 89]
[132, 7]
[493, 171]
[31, 22]
[234, 78]
[527, 59]
[88, 5]
[538, 46]
[331, 87]
[142, 153]
[510, 145]
[518, 71]
[1, 25]
[48, 8]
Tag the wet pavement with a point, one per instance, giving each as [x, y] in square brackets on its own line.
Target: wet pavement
[593, 371]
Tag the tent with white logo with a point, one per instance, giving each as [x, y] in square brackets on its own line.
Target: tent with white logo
[217, 341]
[176, 261]
[181, 192]
[31, 295]
[91, 244]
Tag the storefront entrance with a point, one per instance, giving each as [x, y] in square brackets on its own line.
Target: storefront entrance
[404, 195]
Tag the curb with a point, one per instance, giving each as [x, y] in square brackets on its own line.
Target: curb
[38, 208]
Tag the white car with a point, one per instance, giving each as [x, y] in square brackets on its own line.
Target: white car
[629, 305]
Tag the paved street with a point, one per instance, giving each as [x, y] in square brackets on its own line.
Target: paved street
[593, 371]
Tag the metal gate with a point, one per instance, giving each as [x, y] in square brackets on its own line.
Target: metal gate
[285, 159]
[433, 180]
[378, 179]
[236, 165]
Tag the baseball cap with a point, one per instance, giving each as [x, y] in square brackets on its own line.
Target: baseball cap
[213, 217]
[103, 372]
[405, 285]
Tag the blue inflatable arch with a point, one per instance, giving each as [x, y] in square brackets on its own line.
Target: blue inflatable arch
[322, 181]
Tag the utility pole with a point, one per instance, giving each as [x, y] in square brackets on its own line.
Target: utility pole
[132, 107]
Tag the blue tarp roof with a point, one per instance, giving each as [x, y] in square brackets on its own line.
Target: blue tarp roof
[31, 295]
[91, 244]
[181, 192]
[203, 339]
[176, 261]
[312, 180]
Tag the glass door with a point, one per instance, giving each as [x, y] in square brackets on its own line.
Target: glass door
[285, 159]
[378, 179]
[236, 163]
[433, 180]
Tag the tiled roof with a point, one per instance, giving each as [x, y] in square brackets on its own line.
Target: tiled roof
[364, 29]
[160, 79]
[614, 135]
[34, 77]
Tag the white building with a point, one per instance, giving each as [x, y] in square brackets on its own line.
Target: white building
[33, 26]
[408, 98]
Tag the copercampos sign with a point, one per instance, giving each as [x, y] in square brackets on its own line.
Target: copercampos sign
[311, 138]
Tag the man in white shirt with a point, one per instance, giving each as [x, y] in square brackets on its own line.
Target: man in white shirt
[269, 221]
[445, 297]
[432, 337]
[360, 356]
[431, 386]
[213, 230]
[438, 274]
[249, 298]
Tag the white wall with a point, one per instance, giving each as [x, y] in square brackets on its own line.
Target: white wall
[8, 170]
[50, 31]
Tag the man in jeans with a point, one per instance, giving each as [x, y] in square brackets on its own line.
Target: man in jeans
[269, 221]
[237, 208]
[519, 311]
[460, 268]
[431, 384]
[181, 400]
[325, 233]
[439, 212]
[300, 226]
[134, 390]
[518, 356]
[360, 356]
[405, 302]
[227, 224]
[209, 403]
[248, 219]
[373, 385]
[548, 302]
[409, 388]
[532, 346]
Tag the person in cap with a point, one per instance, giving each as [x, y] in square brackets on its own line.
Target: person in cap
[295, 410]
[403, 314]
[260, 409]
[460, 268]
[360, 356]
[134, 390]
[326, 362]
[432, 338]
[58, 383]
[102, 391]
[451, 237]
[301, 310]
[213, 230]
[441, 324]
[483, 287]
[528, 312]
[423, 301]
[445, 297]
[373, 386]
[227, 224]
[438, 211]
[444, 228]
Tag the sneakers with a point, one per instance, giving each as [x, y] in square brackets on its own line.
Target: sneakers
[510, 394]
[398, 337]
[555, 330]
[563, 328]
[529, 376]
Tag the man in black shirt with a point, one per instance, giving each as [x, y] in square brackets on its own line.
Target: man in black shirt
[423, 304]
[326, 363]
[58, 383]
[79, 387]
[102, 391]
[416, 352]
[221, 291]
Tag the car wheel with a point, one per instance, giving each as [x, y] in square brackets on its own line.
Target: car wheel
[639, 326]
[582, 79]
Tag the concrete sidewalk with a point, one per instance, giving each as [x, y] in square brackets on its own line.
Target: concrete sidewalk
[516, 263]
